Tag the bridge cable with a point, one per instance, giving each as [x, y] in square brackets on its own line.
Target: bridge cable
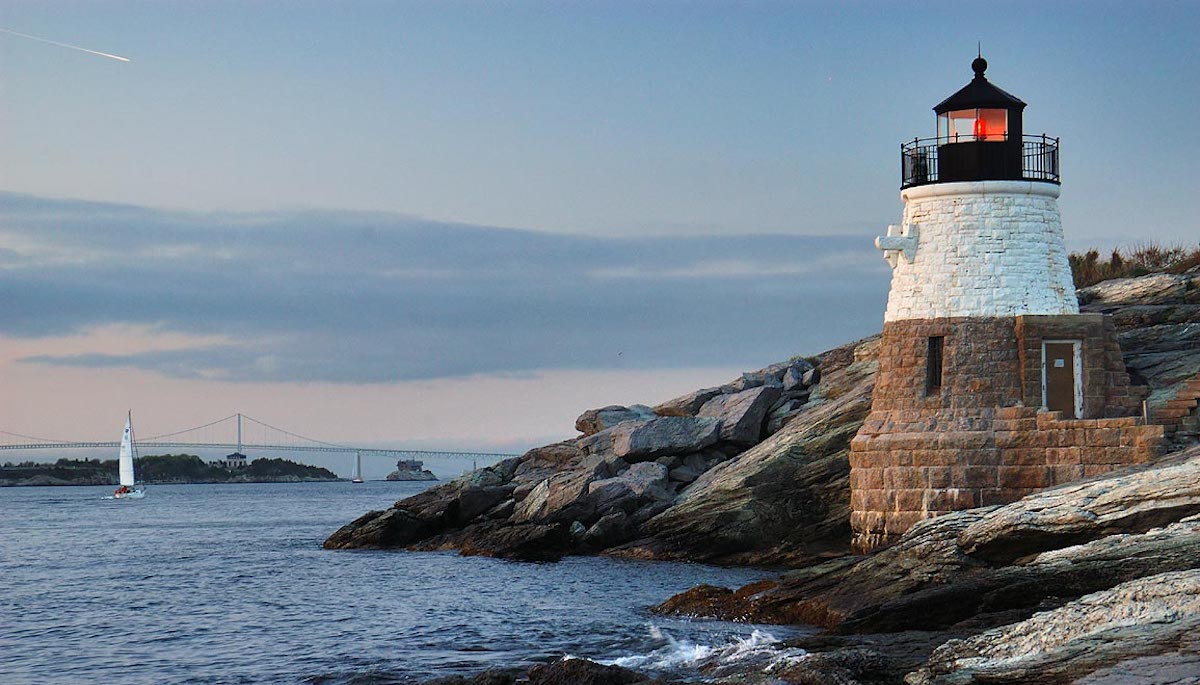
[156, 438]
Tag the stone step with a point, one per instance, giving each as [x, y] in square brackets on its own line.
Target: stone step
[1177, 403]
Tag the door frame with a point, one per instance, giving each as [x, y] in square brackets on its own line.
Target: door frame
[1077, 353]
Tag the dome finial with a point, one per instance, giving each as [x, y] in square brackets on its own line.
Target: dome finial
[979, 64]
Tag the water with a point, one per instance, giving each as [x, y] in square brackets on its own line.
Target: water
[229, 584]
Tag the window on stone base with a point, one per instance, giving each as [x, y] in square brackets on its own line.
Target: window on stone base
[933, 365]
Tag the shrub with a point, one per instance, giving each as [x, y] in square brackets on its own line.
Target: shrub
[1138, 260]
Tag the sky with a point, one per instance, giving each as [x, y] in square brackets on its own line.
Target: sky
[458, 224]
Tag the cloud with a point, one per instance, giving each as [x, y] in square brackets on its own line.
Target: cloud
[368, 297]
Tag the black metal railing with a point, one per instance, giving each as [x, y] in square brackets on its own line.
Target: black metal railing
[1039, 158]
[919, 160]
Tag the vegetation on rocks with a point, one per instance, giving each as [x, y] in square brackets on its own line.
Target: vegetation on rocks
[1088, 268]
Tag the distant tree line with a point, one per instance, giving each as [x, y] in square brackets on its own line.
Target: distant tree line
[167, 468]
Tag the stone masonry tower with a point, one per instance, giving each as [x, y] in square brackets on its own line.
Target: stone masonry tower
[991, 384]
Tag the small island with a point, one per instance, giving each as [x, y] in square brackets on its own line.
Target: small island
[162, 468]
[411, 469]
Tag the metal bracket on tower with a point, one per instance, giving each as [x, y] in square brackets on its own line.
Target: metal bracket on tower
[897, 242]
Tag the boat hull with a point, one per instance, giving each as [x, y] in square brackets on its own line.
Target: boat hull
[133, 494]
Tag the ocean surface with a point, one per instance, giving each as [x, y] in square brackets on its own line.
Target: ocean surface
[229, 584]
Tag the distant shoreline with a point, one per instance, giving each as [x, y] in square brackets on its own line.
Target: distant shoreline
[165, 469]
[64, 483]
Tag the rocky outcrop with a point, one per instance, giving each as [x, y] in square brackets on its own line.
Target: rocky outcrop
[1142, 629]
[756, 469]
[1106, 541]
[1062, 542]
[567, 671]
[631, 464]
[784, 501]
[1158, 321]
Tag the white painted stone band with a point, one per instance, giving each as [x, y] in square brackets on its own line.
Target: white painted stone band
[981, 188]
[985, 248]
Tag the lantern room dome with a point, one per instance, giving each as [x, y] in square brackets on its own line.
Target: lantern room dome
[980, 92]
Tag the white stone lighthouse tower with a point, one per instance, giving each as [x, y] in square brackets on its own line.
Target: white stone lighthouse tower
[991, 384]
[981, 211]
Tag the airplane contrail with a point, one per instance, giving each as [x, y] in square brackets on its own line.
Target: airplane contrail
[66, 45]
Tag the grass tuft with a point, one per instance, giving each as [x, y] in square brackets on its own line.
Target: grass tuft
[1138, 260]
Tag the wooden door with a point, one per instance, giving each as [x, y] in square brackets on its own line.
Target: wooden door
[1061, 382]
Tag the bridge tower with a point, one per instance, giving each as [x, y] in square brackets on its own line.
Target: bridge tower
[991, 384]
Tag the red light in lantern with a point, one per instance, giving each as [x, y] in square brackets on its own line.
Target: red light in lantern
[980, 129]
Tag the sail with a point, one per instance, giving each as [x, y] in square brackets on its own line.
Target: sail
[126, 460]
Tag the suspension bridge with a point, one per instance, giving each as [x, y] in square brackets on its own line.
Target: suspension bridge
[238, 432]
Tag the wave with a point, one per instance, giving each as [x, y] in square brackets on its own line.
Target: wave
[758, 648]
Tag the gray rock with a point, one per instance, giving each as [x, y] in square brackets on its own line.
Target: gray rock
[474, 502]
[533, 504]
[1151, 289]
[780, 415]
[481, 478]
[593, 421]
[577, 529]
[502, 510]
[683, 474]
[642, 483]
[703, 461]
[1088, 510]
[670, 461]
[610, 529]
[812, 376]
[561, 496]
[663, 436]
[742, 414]
[647, 479]
[794, 378]
[584, 672]
[687, 405]
[1144, 617]
[542, 462]
[611, 494]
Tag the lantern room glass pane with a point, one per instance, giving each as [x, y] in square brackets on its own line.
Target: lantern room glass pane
[992, 125]
[969, 125]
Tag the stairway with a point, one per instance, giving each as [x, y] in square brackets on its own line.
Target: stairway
[1180, 417]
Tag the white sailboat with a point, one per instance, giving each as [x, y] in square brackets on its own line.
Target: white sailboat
[129, 488]
[358, 477]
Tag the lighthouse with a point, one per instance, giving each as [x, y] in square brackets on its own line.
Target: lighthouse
[991, 384]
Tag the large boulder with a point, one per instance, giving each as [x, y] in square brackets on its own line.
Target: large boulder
[666, 435]
[1152, 289]
[593, 421]
[687, 405]
[642, 483]
[742, 414]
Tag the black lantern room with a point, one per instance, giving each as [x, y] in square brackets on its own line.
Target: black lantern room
[979, 138]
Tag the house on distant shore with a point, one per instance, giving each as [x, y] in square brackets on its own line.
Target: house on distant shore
[232, 462]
